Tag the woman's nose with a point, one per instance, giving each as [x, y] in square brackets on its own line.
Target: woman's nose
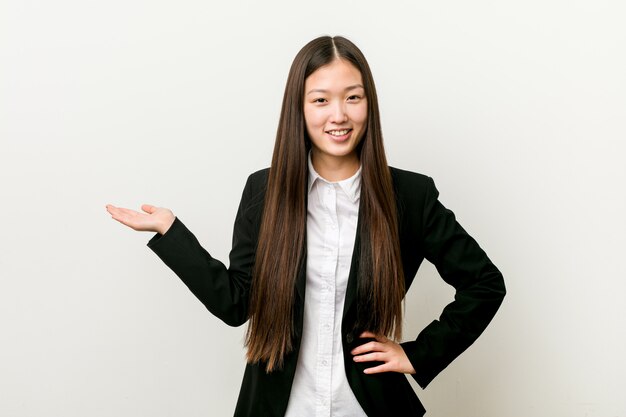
[339, 114]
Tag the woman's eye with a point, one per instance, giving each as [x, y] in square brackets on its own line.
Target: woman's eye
[319, 100]
[354, 98]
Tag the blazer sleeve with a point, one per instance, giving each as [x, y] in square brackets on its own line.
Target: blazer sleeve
[479, 291]
[224, 291]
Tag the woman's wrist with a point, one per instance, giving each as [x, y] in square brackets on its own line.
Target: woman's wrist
[167, 224]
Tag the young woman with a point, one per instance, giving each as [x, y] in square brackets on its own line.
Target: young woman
[326, 243]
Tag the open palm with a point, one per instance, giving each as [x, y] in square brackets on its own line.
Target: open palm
[155, 219]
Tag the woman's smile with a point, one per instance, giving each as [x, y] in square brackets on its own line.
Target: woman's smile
[339, 135]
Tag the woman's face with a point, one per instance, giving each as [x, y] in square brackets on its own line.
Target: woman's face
[335, 113]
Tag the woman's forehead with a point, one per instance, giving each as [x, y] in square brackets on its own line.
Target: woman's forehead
[337, 74]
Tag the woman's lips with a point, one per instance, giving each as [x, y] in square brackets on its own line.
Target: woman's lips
[340, 138]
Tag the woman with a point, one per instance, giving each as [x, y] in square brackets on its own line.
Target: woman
[330, 220]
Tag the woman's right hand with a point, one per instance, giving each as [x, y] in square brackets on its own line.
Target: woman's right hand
[155, 219]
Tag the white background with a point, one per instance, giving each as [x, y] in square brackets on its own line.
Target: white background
[516, 109]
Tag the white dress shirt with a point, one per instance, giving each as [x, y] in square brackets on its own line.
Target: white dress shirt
[320, 387]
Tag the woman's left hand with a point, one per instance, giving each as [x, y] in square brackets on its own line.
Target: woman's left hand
[382, 350]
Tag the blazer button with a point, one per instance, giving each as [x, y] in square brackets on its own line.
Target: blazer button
[349, 337]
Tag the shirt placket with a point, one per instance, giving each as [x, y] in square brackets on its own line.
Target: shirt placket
[327, 301]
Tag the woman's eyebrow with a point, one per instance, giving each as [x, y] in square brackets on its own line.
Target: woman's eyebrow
[321, 90]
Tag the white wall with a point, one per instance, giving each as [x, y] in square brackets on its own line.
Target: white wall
[516, 108]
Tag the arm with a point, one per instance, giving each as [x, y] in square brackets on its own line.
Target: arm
[224, 291]
[479, 291]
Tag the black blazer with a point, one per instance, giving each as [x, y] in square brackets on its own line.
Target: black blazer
[427, 231]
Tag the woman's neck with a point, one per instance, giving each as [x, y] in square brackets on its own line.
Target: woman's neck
[335, 168]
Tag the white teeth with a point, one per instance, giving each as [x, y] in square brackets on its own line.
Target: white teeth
[338, 132]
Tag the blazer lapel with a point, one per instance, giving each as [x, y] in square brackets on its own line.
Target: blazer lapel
[301, 278]
[353, 277]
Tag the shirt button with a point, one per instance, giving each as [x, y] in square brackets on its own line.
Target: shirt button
[324, 362]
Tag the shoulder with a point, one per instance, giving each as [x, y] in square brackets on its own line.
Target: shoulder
[258, 179]
[254, 191]
[415, 192]
[404, 175]
[410, 182]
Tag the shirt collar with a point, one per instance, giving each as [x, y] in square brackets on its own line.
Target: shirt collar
[351, 186]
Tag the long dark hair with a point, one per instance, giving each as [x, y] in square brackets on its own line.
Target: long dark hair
[281, 241]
